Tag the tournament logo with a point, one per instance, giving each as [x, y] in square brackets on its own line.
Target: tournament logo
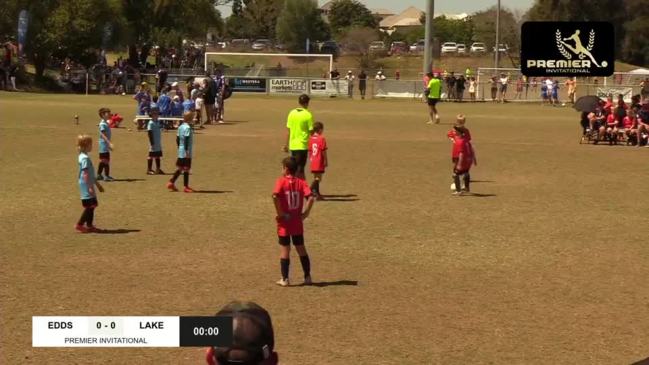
[576, 49]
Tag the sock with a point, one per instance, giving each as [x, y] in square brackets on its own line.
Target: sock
[316, 186]
[149, 164]
[306, 265]
[467, 181]
[107, 169]
[175, 177]
[456, 180]
[284, 263]
[186, 178]
[157, 163]
[91, 216]
[100, 169]
[84, 217]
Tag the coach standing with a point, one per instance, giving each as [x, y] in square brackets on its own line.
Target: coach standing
[433, 93]
[209, 96]
[299, 126]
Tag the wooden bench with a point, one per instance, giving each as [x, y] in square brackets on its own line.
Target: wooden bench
[167, 122]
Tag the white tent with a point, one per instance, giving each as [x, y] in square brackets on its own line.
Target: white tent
[640, 71]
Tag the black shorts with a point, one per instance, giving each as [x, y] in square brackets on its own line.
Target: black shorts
[432, 101]
[300, 157]
[89, 203]
[104, 156]
[184, 163]
[155, 154]
[286, 240]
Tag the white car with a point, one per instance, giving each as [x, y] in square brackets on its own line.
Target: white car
[461, 48]
[478, 47]
[449, 47]
[502, 49]
[261, 44]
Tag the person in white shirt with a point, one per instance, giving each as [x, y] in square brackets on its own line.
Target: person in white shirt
[350, 83]
[549, 85]
[380, 76]
[504, 79]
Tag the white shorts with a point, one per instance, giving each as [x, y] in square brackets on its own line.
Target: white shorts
[199, 104]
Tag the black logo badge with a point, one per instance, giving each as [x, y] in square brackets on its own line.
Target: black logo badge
[567, 49]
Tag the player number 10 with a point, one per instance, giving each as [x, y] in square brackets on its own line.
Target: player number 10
[293, 199]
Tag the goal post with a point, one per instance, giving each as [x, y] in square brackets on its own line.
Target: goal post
[236, 64]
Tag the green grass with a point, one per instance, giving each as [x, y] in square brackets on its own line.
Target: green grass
[547, 265]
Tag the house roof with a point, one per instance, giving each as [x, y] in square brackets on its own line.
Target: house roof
[382, 11]
[408, 17]
[326, 6]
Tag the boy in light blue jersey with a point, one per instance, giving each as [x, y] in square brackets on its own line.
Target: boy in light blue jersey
[105, 145]
[154, 130]
[185, 142]
[87, 183]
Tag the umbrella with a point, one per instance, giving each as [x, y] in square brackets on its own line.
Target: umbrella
[587, 103]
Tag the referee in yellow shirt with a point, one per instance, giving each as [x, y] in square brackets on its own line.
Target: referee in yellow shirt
[433, 91]
[299, 126]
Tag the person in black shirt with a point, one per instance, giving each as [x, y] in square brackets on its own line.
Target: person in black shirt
[362, 83]
[335, 75]
[459, 87]
[161, 79]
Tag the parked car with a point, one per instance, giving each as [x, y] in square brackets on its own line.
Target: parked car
[240, 44]
[280, 47]
[330, 47]
[478, 47]
[377, 47]
[398, 48]
[449, 47]
[418, 46]
[461, 49]
[261, 44]
[503, 48]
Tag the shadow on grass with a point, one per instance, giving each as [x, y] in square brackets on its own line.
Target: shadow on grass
[324, 284]
[213, 191]
[117, 231]
[340, 198]
[478, 195]
[642, 362]
[126, 180]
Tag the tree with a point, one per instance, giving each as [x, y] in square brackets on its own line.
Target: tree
[357, 41]
[635, 49]
[484, 28]
[262, 16]
[345, 14]
[301, 20]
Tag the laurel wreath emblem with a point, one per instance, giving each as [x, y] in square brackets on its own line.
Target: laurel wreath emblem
[563, 51]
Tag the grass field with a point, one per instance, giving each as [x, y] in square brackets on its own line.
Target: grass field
[546, 264]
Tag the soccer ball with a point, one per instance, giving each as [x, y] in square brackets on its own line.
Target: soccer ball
[564, 104]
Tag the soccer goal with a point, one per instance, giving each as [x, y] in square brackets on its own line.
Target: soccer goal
[270, 64]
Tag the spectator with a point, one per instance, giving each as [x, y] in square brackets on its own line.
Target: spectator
[494, 88]
[209, 97]
[335, 75]
[450, 86]
[161, 79]
[644, 91]
[555, 93]
[362, 83]
[397, 75]
[350, 84]
[178, 91]
[472, 88]
[504, 80]
[219, 82]
[253, 337]
[379, 76]
[519, 88]
[571, 84]
[460, 85]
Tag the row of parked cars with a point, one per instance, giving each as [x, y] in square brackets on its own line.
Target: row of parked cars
[400, 47]
[476, 48]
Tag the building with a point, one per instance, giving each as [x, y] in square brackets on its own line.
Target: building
[325, 9]
[382, 13]
[408, 18]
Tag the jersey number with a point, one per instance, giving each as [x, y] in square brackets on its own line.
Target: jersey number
[293, 199]
[314, 149]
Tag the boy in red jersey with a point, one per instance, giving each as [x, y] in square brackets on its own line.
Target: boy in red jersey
[318, 156]
[288, 196]
[463, 157]
[459, 123]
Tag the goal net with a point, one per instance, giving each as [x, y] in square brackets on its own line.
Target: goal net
[270, 64]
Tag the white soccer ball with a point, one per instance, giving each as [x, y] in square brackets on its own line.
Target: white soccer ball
[123, 94]
[563, 104]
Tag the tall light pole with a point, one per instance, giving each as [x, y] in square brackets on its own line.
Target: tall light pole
[428, 46]
[496, 61]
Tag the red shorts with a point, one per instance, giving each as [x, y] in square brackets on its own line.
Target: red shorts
[291, 227]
